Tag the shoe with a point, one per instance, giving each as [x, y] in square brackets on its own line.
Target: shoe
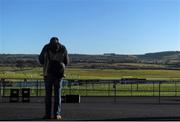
[47, 117]
[59, 117]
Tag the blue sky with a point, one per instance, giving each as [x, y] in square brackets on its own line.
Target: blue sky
[90, 26]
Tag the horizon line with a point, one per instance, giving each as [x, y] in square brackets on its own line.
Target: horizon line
[106, 53]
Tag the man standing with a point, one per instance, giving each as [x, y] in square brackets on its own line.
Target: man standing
[54, 58]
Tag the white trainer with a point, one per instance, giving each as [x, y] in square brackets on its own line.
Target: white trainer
[58, 117]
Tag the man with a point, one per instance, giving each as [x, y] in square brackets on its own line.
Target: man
[54, 58]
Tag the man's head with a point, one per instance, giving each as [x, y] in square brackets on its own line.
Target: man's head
[54, 44]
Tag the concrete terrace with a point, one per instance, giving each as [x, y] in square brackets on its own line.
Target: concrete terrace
[97, 108]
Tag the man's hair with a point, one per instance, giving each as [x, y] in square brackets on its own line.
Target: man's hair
[54, 39]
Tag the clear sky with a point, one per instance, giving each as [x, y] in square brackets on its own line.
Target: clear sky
[90, 26]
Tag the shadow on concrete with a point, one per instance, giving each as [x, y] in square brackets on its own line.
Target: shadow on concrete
[146, 119]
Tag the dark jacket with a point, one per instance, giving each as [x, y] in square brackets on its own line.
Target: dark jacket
[46, 54]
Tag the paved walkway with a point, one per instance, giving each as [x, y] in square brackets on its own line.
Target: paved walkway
[98, 108]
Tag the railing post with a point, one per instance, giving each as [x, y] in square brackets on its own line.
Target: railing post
[86, 87]
[137, 86]
[159, 92]
[114, 86]
[3, 87]
[37, 88]
[109, 88]
[25, 82]
[153, 88]
[70, 86]
[175, 88]
[40, 88]
[0, 87]
[131, 88]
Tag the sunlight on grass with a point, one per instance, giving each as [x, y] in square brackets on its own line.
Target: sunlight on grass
[78, 73]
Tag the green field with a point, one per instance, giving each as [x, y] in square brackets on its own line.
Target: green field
[79, 73]
[105, 89]
[117, 74]
[72, 73]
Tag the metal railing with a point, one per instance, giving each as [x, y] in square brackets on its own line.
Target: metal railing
[97, 87]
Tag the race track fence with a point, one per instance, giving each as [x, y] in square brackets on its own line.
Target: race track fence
[108, 87]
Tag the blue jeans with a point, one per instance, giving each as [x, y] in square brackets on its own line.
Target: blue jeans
[51, 82]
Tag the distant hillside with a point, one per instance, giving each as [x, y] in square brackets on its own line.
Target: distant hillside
[161, 55]
[169, 60]
[19, 60]
[167, 57]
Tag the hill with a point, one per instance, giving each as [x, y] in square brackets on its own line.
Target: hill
[166, 57]
[158, 60]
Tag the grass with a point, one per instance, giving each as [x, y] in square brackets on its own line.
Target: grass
[78, 73]
[167, 89]
[118, 74]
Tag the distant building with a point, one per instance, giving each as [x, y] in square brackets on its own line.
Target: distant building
[109, 54]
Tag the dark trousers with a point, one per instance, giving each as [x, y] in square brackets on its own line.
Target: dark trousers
[51, 82]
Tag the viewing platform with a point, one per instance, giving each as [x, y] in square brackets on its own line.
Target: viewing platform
[98, 108]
